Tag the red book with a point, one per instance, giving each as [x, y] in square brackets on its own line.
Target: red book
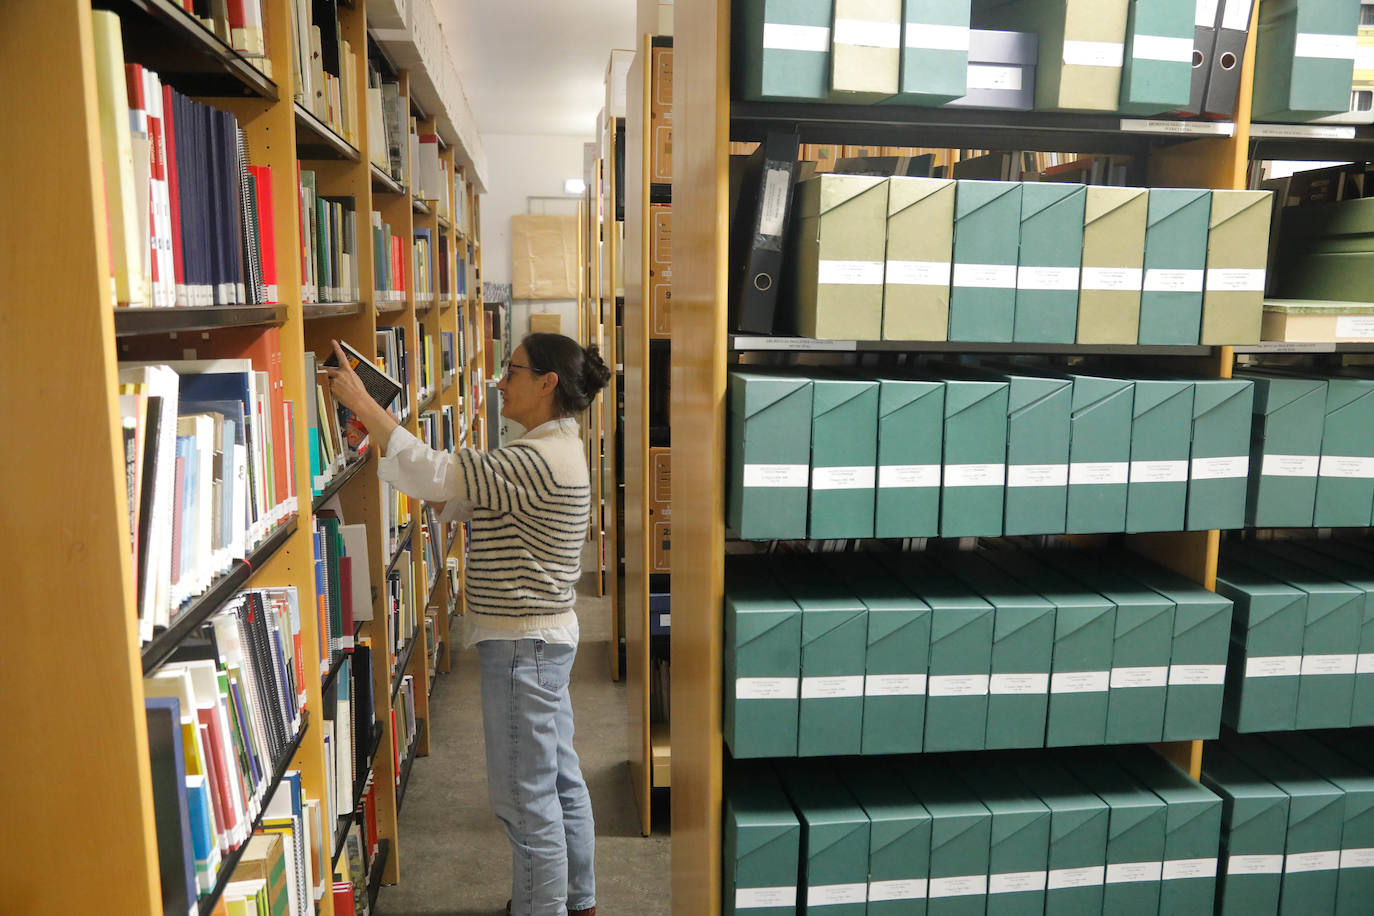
[219, 802]
[370, 815]
[173, 193]
[267, 257]
[343, 896]
[215, 763]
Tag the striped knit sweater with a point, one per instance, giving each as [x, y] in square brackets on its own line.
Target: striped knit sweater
[529, 503]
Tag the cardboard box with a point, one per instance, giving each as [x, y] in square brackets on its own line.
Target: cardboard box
[1022, 646]
[1304, 60]
[1219, 466]
[1254, 826]
[1018, 857]
[770, 455]
[899, 839]
[844, 457]
[935, 52]
[982, 301]
[761, 846]
[1038, 417]
[1051, 251]
[783, 50]
[1345, 479]
[1310, 320]
[544, 256]
[1157, 73]
[1285, 453]
[1175, 263]
[841, 240]
[1266, 649]
[835, 840]
[1113, 265]
[865, 55]
[660, 298]
[1078, 838]
[762, 665]
[1161, 426]
[1001, 71]
[1099, 454]
[660, 510]
[661, 116]
[960, 838]
[546, 323]
[910, 444]
[920, 240]
[1081, 49]
[1237, 252]
[1136, 827]
[961, 630]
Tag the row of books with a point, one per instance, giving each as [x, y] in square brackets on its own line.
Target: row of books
[406, 727]
[403, 607]
[238, 24]
[326, 67]
[428, 380]
[448, 354]
[388, 144]
[223, 716]
[424, 265]
[454, 579]
[388, 262]
[329, 245]
[434, 545]
[335, 437]
[343, 583]
[361, 847]
[393, 358]
[189, 219]
[207, 446]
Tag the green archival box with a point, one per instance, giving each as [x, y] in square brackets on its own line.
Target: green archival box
[782, 50]
[974, 473]
[770, 455]
[1355, 570]
[1285, 450]
[1219, 466]
[834, 839]
[1161, 429]
[960, 838]
[899, 839]
[1078, 838]
[1018, 858]
[762, 845]
[1157, 73]
[911, 417]
[1137, 822]
[762, 665]
[1345, 480]
[935, 44]
[1305, 59]
[1099, 454]
[982, 300]
[1175, 260]
[1039, 409]
[1266, 649]
[844, 457]
[1254, 825]
[1051, 254]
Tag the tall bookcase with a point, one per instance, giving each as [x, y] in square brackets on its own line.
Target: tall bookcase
[84, 793]
[703, 350]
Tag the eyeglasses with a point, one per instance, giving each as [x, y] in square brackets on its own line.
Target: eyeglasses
[509, 366]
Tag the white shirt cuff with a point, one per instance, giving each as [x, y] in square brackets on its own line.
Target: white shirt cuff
[401, 440]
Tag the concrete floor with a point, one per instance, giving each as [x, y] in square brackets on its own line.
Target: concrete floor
[454, 856]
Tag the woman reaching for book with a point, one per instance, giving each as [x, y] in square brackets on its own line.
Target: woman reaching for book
[528, 503]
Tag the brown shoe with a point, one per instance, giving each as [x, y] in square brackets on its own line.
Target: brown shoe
[589, 911]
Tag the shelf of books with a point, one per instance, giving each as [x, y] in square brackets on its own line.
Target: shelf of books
[248, 586]
[871, 563]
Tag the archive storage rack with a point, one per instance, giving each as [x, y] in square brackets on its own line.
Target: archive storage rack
[84, 787]
[707, 119]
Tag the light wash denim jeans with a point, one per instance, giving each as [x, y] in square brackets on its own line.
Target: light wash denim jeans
[533, 775]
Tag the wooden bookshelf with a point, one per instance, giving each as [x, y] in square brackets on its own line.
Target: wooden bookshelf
[611, 298]
[90, 840]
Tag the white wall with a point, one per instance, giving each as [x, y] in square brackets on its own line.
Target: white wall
[520, 166]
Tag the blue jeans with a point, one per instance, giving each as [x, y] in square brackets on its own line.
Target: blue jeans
[533, 775]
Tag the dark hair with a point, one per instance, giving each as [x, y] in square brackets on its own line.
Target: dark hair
[581, 371]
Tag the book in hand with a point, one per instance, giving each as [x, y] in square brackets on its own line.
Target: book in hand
[382, 387]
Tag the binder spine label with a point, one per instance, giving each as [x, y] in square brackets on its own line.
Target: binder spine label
[1047, 278]
[850, 273]
[1158, 280]
[1236, 15]
[1094, 53]
[1327, 664]
[773, 211]
[845, 478]
[894, 685]
[985, 276]
[1017, 881]
[908, 476]
[1346, 466]
[1289, 466]
[1235, 280]
[1030, 684]
[918, 273]
[1079, 681]
[832, 688]
[1130, 872]
[753, 898]
[775, 475]
[1098, 472]
[975, 475]
[961, 886]
[1357, 858]
[1220, 468]
[1325, 47]
[1364, 663]
[835, 894]
[1148, 676]
[1037, 475]
[1197, 675]
[957, 685]
[912, 889]
[1113, 279]
[1254, 865]
[1061, 878]
[937, 37]
[1311, 861]
[1158, 47]
[1273, 666]
[778, 36]
[1176, 869]
[869, 34]
[1205, 14]
[1159, 471]
[765, 688]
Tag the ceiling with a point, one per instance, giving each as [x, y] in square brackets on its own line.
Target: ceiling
[536, 66]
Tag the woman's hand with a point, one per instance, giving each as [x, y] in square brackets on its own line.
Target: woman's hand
[345, 385]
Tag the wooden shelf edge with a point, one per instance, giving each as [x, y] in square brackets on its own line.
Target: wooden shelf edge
[340, 480]
[140, 320]
[329, 139]
[313, 311]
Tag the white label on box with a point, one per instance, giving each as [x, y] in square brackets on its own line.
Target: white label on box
[1358, 326]
[988, 77]
[1037, 475]
[937, 37]
[1348, 466]
[1236, 15]
[765, 688]
[1080, 681]
[957, 685]
[1235, 279]
[985, 276]
[1131, 872]
[665, 620]
[1327, 664]
[775, 475]
[1159, 280]
[1060, 878]
[1273, 666]
[1312, 861]
[1147, 676]
[1327, 47]
[918, 273]
[867, 33]
[779, 36]
[1357, 858]
[1015, 882]
[1364, 58]
[906, 476]
[975, 475]
[774, 207]
[1113, 279]
[1364, 663]
[850, 273]
[1290, 466]
[1093, 53]
[1206, 14]
[1176, 869]
[1018, 684]
[832, 688]
[1158, 47]
[858, 477]
[895, 685]
[961, 886]
[1221, 468]
[1254, 865]
[911, 889]
[1047, 278]
[835, 894]
[751, 898]
[1196, 675]
[1098, 472]
[1159, 471]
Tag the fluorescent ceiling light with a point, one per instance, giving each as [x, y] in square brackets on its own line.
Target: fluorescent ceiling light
[574, 186]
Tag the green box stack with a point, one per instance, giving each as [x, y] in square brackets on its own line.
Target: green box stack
[770, 455]
[761, 845]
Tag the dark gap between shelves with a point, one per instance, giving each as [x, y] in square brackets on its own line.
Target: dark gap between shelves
[374, 877]
[359, 785]
[401, 545]
[420, 726]
[316, 139]
[340, 480]
[403, 663]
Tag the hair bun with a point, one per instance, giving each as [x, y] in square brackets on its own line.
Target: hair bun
[596, 375]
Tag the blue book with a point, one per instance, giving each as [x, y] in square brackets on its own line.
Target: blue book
[175, 853]
[202, 831]
[186, 454]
